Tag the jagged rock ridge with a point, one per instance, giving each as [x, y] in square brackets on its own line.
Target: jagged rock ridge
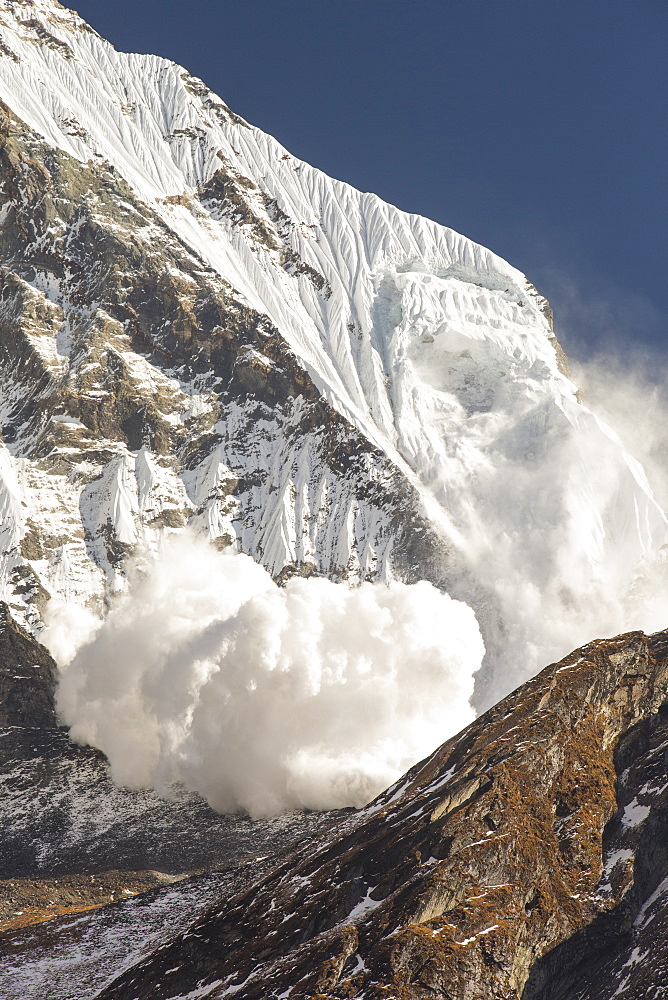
[511, 863]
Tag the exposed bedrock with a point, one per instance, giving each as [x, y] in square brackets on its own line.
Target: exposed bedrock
[502, 866]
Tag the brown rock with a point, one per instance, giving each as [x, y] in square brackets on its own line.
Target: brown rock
[456, 882]
[27, 678]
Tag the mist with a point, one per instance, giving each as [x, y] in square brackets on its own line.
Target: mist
[628, 390]
[566, 540]
[315, 695]
[564, 566]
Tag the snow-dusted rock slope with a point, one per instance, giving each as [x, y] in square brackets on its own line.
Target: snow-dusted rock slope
[197, 327]
[523, 860]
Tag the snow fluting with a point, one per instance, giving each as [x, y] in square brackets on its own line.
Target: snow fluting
[328, 385]
[263, 698]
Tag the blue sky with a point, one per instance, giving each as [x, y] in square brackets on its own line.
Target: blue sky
[536, 127]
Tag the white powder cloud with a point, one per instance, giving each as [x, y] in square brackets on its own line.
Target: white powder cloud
[263, 698]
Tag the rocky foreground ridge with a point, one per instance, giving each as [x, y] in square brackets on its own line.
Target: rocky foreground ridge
[526, 858]
[503, 866]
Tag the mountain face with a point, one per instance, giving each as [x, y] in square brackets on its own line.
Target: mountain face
[198, 328]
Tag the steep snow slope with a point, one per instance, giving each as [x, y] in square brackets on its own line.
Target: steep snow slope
[438, 356]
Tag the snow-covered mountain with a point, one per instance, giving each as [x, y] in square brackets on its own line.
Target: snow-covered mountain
[199, 332]
[196, 327]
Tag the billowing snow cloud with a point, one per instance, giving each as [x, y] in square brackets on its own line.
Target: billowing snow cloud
[263, 698]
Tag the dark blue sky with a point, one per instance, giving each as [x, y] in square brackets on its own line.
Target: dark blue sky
[536, 127]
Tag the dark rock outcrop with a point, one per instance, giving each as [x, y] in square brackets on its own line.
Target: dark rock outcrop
[27, 678]
[525, 845]
[624, 952]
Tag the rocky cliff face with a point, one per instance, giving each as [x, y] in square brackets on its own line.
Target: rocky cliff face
[105, 431]
[196, 327]
[511, 863]
[27, 678]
